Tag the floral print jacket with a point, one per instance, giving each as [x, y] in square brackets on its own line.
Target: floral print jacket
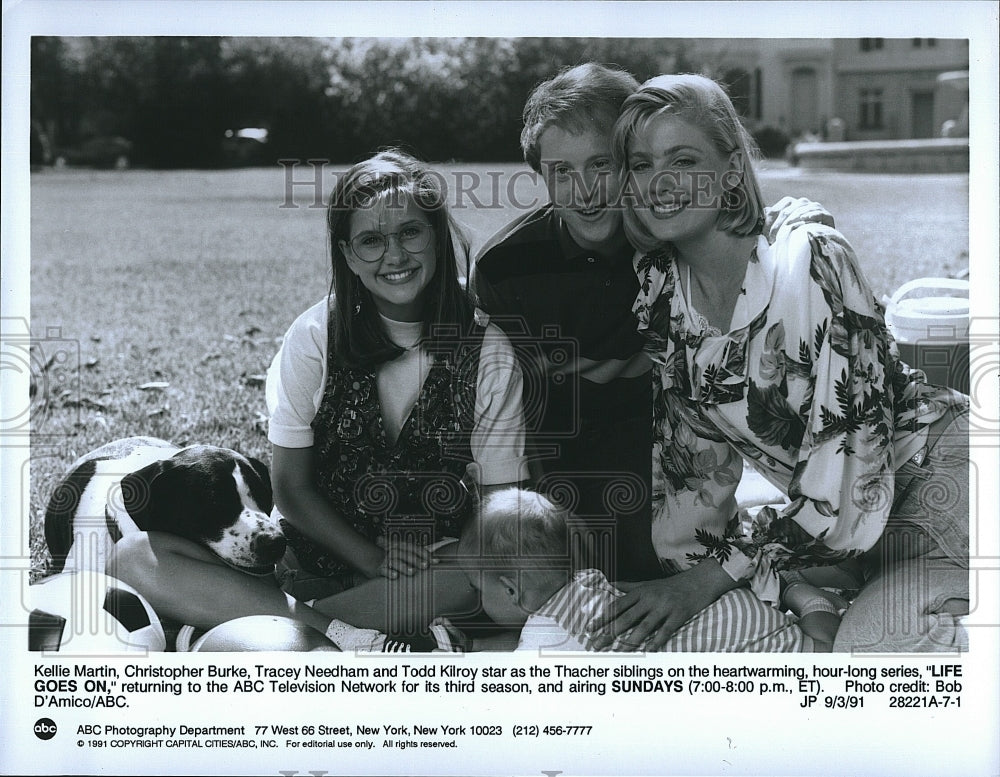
[807, 386]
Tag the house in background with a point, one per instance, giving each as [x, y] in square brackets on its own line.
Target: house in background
[788, 83]
[888, 88]
[879, 88]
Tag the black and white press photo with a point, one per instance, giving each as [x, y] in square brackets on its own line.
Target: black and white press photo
[388, 384]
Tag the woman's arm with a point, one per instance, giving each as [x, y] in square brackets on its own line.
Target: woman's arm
[303, 506]
[841, 486]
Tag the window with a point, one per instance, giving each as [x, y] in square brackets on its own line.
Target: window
[739, 89]
[918, 42]
[871, 44]
[871, 109]
[928, 42]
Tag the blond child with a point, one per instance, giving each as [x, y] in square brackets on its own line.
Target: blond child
[517, 554]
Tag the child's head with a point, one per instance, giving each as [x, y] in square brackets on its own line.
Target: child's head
[393, 248]
[516, 553]
[567, 138]
[670, 177]
[580, 98]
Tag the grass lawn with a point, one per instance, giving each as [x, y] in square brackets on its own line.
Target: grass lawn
[190, 279]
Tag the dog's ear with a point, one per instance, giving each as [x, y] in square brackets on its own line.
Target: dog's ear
[262, 495]
[138, 491]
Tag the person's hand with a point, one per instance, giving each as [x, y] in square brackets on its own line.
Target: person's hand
[457, 640]
[652, 609]
[655, 609]
[790, 211]
[402, 558]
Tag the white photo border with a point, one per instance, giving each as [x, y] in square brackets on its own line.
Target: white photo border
[659, 734]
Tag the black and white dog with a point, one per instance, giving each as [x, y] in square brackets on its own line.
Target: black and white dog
[213, 496]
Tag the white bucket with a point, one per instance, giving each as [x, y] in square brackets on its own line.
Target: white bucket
[932, 330]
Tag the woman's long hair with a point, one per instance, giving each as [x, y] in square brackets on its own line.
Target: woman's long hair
[392, 177]
[702, 102]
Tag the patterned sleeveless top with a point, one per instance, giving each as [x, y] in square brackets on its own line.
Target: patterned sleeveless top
[411, 489]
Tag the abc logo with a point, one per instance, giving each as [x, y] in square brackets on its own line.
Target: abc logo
[45, 728]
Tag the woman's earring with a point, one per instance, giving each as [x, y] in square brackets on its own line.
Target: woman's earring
[356, 293]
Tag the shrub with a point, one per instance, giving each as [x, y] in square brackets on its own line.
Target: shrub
[772, 141]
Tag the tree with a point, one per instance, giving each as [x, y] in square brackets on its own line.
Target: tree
[281, 84]
[55, 90]
[442, 98]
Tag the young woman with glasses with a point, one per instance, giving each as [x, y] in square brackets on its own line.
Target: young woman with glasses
[390, 391]
[392, 400]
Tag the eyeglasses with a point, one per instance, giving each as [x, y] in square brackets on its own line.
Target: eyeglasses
[371, 246]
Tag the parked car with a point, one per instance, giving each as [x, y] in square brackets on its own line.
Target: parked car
[102, 151]
[244, 147]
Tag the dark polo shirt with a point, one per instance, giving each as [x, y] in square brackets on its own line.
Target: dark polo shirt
[587, 397]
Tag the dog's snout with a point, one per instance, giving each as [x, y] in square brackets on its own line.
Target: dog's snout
[268, 547]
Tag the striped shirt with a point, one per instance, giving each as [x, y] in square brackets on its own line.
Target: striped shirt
[737, 622]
